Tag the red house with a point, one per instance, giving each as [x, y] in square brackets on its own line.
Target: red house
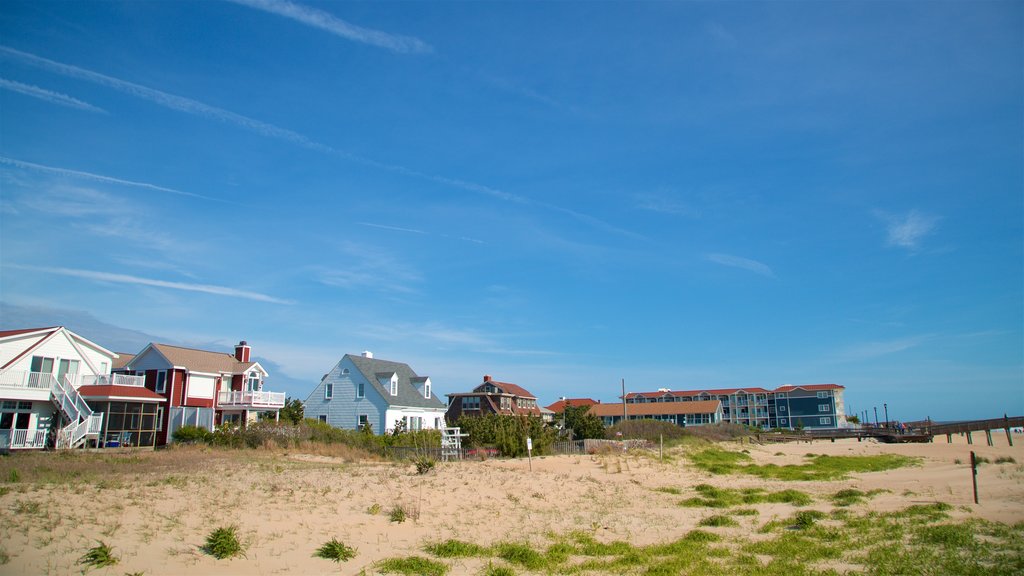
[492, 397]
[204, 388]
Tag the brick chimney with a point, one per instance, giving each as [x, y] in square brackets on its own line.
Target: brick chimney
[242, 351]
[487, 377]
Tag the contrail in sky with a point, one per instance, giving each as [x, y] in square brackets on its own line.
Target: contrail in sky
[127, 279]
[99, 178]
[334, 25]
[48, 95]
[189, 106]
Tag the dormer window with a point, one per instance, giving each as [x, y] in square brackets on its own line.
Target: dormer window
[252, 383]
[394, 385]
[426, 389]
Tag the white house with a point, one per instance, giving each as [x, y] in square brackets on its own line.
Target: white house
[41, 370]
[362, 390]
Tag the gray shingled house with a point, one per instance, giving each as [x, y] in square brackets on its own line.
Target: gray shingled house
[362, 390]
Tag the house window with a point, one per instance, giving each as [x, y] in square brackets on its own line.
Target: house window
[823, 407]
[322, 418]
[426, 390]
[823, 394]
[825, 420]
[253, 383]
[360, 390]
[780, 395]
[782, 408]
[394, 386]
[67, 368]
[470, 402]
[783, 421]
[344, 372]
[159, 418]
[161, 381]
[329, 391]
[103, 368]
[364, 421]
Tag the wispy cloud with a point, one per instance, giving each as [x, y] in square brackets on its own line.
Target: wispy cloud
[742, 263]
[319, 19]
[908, 231]
[370, 267]
[127, 279]
[48, 95]
[415, 231]
[194, 107]
[98, 178]
[868, 350]
[664, 204]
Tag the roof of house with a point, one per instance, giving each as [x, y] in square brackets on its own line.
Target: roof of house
[710, 391]
[657, 408]
[112, 392]
[6, 333]
[506, 388]
[810, 387]
[407, 394]
[574, 402]
[200, 360]
[45, 334]
[122, 360]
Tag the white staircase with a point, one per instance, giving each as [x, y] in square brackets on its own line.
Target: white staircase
[82, 421]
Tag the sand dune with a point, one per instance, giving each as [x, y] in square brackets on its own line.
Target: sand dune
[286, 505]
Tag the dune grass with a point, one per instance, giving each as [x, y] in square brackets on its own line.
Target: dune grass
[919, 540]
[712, 497]
[820, 467]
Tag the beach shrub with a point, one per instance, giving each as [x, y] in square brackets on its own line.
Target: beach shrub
[646, 429]
[223, 543]
[292, 412]
[397, 514]
[191, 434]
[582, 423]
[335, 550]
[507, 433]
[99, 556]
[424, 464]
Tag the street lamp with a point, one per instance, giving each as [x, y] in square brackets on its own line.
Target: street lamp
[886, 406]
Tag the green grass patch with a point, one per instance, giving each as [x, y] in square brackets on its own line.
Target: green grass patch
[818, 467]
[717, 521]
[223, 543]
[712, 497]
[335, 550]
[456, 549]
[412, 566]
[99, 556]
[521, 554]
[669, 490]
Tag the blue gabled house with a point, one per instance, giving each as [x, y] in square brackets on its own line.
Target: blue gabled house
[365, 391]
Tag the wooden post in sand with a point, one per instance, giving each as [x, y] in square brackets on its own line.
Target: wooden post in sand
[974, 475]
[529, 451]
[661, 443]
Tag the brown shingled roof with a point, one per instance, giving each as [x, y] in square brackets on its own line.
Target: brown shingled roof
[202, 360]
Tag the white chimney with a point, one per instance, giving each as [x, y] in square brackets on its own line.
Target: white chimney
[367, 354]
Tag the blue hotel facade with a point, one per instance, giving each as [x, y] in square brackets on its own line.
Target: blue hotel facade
[818, 406]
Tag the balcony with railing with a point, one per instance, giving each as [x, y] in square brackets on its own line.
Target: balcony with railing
[246, 400]
[114, 380]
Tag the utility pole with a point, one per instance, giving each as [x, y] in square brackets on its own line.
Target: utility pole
[887, 424]
[876, 416]
[623, 399]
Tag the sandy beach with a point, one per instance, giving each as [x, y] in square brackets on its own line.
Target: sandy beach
[287, 504]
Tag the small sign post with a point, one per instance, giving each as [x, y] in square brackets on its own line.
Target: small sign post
[974, 475]
[529, 451]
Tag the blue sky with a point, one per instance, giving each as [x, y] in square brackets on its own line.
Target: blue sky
[562, 195]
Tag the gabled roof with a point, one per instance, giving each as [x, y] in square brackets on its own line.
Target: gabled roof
[45, 335]
[657, 408]
[122, 360]
[199, 360]
[809, 387]
[407, 393]
[574, 402]
[115, 392]
[47, 330]
[506, 388]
